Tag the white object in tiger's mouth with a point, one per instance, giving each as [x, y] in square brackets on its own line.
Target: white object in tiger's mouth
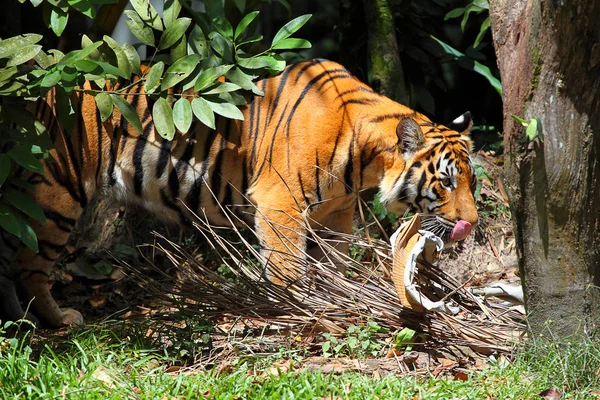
[410, 243]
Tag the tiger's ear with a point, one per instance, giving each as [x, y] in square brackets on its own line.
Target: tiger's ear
[462, 124]
[410, 136]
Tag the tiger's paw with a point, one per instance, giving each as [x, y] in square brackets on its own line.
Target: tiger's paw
[71, 317]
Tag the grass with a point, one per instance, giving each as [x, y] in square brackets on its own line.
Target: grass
[97, 363]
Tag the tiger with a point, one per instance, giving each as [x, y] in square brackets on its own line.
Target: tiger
[307, 148]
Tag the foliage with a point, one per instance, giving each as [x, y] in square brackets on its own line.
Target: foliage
[437, 50]
[190, 54]
[533, 127]
[361, 341]
[96, 364]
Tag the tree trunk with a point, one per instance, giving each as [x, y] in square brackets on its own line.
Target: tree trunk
[385, 65]
[549, 58]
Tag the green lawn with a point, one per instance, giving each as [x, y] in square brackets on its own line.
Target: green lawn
[97, 363]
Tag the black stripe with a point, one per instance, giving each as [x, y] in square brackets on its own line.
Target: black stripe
[357, 101]
[317, 183]
[137, 159]
[307, 66]
[349, 172]
[99, 138]
[307, 88]
[163, 157]
[306, 200]
[282, 81]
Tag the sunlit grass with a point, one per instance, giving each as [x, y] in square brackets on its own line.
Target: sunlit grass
[98, 364]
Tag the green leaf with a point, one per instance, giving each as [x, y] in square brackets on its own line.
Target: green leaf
[153, 77]
[210, 75]
[105, 105]
[133, 57]
[247, 20]
[251, 39]
[27, 235]
[171, 12]
[50, 80]
[222, 46]
[182, 114]
[7, 73]
[290, 28]
[90, 66]
[23, 202]
[162, 115]
[179, 49]
[519, 120]
[58, 20]
[478, 67]
[468, 10]
[147, 13]
[243, 80]
[234, 98]
[292, 43]
[122, 60]
[5, 165]
[222, 87]
[533, 128]
[203, 112]
[12, 45]
[180, 70]
[457, 12]
[173, 33]
[25, 159]
[139, 28]
[64, 109]
[8, 221]
[485, 25]
[197, 42]
[127, 111]
[83, 6]
[482, 3]
[43, 60]
[77, 55]
[223, 26]
[227, 110]
[260, 62]
[23, 55]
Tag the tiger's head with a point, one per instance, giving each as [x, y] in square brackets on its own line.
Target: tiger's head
[437, 178]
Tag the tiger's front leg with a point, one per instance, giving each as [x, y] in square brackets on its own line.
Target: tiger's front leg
[282, 236]
[35, 282]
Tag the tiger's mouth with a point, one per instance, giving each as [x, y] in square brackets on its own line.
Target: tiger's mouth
[446, 230]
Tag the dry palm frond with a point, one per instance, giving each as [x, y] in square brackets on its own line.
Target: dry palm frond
[323, 299]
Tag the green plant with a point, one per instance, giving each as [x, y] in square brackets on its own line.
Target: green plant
[187, 53]
[533, 128]
[361, 341]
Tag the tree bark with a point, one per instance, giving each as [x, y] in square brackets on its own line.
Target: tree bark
[385, 65]
[549, 59]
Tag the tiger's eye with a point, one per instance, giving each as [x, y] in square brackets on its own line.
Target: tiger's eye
[447, 182]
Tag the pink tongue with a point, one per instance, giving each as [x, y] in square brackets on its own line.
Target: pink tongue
[461, 230]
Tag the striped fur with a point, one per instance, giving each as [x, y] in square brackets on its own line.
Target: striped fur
[315, 139]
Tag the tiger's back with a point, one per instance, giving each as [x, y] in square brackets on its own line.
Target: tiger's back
[315, 139]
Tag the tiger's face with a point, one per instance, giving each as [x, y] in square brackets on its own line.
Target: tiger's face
[438, 178]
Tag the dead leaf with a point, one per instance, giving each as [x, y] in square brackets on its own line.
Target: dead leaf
[173, 369]
[104, 375]
[551, 394]
[461, 376]
[96, 300]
